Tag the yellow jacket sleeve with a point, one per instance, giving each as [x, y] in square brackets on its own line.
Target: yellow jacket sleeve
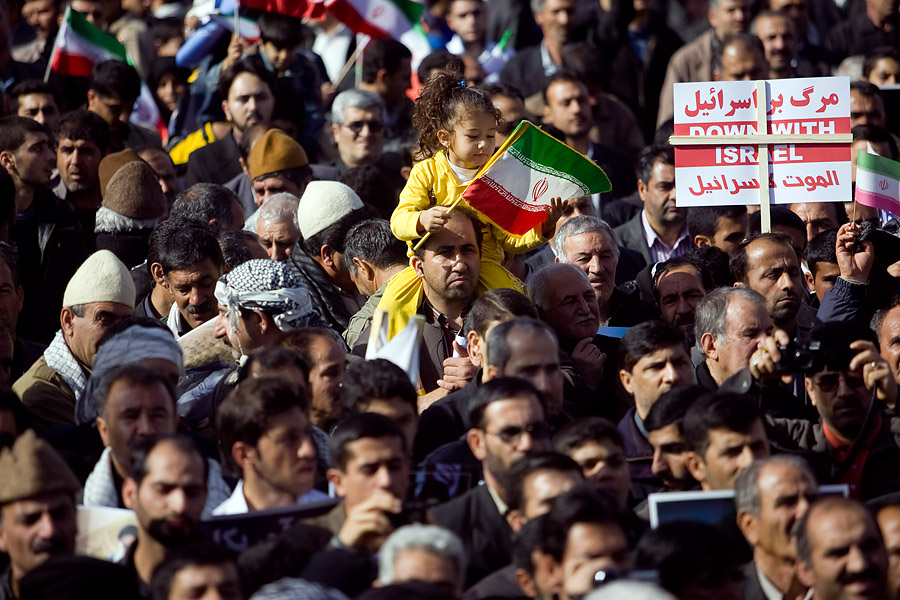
[414, 198]
[516, 244]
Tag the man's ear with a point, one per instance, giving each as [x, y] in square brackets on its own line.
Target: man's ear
[262, 322]
[804, 572]
[225, 110]
[695, 466]
[476, 441]
[708, 345]
[416, 263]
[156, 271]
[810, 281]
[625, 378]
[749, 526]
[642, 189]
[326, 254]
[91, 99]
[526, 583]
[8, 161]
[243, 455]
[701, 241]
[363, 269]
[516, 519]
[473, 344]
[129, 493]
[807, 383]
[103, 430]
[490, 372]
[67, 321]
[336, 478]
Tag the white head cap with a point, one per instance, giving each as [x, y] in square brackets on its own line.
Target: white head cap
[323, 204]
[101, 278]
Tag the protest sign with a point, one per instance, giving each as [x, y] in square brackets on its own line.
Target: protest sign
[724, 153]
[103, 532]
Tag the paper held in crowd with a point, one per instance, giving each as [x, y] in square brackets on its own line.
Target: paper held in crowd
[805, 142]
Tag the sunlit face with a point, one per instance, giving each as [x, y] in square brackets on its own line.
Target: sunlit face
[467, 19]
[134, 411]
[82, 333]
[374, 464]
[278, 238]
[451, 262]
[568, 108]
[472, 140]
[250, 101]
[818, 217]
[680, 291]
[193, 289]
[655, 374]
[360, 137]
[885, 71]
[730, 17]
[557, 20]
[512, 112]
[32, 163]
[824, 278]
[740, 63]
[730, 233]
[727, 454]
[774, 272]
[596, 254]
[495, 447]
[866, 110]
[265, 188]
[540, 488]
[284, 458]
[206, 582]
[325, 376]
[658, 196]
[400, 412]
[889, 523]
[746, 326]
[777, 35]
[36, 529]
[841, 398]
[536, 360]
[785, 494]
[40, 107]
[78, 162]
[602, 546]
[169, 90]
[42, 15]
[280, 57]
[572, 309]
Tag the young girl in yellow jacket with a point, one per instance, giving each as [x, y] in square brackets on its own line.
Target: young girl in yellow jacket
[457, 127]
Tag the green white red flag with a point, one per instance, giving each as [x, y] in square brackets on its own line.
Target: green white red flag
[878, 182]
[377, 18]
[80, 45]
[515, 186]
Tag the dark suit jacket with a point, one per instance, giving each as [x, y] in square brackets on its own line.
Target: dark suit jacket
[215, 163]
[639, 454]
[525, 72]
[485, 534]
[631, 235]
[499, 584]
[752, 588]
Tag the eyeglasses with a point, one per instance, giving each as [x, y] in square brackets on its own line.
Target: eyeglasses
[357, 126]
[828, 382]
[513, 433]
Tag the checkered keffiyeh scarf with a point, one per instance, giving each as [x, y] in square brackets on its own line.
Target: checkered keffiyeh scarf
[60, 359]
[268, 286]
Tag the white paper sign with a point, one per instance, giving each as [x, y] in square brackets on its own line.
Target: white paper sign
[715, 175]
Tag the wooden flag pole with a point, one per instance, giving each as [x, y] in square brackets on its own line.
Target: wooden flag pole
[350, 61]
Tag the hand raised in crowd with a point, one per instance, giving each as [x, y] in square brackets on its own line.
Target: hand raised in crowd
[554, 212]
[875, 370]
[854, 266]
[589, 363]
[458, 370]
[764, 362]
[367, 524]
[236, 49]
[432, 220]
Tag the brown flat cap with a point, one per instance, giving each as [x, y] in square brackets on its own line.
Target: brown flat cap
[33, 468]
[133, 191]
[112, 163]
[275, 151]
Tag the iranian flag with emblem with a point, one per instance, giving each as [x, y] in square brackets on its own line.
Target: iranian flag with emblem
[515, 186]
[878, 182]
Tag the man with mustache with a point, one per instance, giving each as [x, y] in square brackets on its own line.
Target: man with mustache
[841, 385]
[679, 285]
[771, 495]
[166, 489]
[590, 244]
[659, 231]
[840, 552]
[137, 403]
[37, 509]
[769, 265]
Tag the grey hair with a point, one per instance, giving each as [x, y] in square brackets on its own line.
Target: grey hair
[542, 282]
[280, 207]
[710, 315]
[109, 221]
[579, 225]
[428, 538]
[746, 484]
[354, 98]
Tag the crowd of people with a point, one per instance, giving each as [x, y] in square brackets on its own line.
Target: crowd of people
[185, 313]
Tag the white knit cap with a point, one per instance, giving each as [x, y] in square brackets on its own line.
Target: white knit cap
[101, 278]
[323, 204]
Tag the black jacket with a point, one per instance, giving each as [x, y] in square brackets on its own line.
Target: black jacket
[215, 163]
[484, 532]
[525, 72]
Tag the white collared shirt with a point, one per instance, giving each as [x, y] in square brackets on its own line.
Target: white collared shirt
[237, 503]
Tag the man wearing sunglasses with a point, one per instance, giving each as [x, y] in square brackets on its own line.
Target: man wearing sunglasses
[853, 442]
[507, 417]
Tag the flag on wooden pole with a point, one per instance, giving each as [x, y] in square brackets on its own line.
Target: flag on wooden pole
[878, 182]
[515, 186]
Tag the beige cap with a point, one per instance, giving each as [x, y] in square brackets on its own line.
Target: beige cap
[33, 468]
[323, 204]
[101, 278]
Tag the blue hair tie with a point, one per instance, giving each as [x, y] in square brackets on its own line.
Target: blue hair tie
[461, 83]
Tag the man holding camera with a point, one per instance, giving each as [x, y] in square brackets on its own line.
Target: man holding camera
[849, 383]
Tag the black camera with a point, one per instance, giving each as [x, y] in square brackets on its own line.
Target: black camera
[815, 357]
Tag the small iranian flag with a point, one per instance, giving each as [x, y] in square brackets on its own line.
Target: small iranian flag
[377, 18]
[878, 182]
[80, 45]
[515, 186]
